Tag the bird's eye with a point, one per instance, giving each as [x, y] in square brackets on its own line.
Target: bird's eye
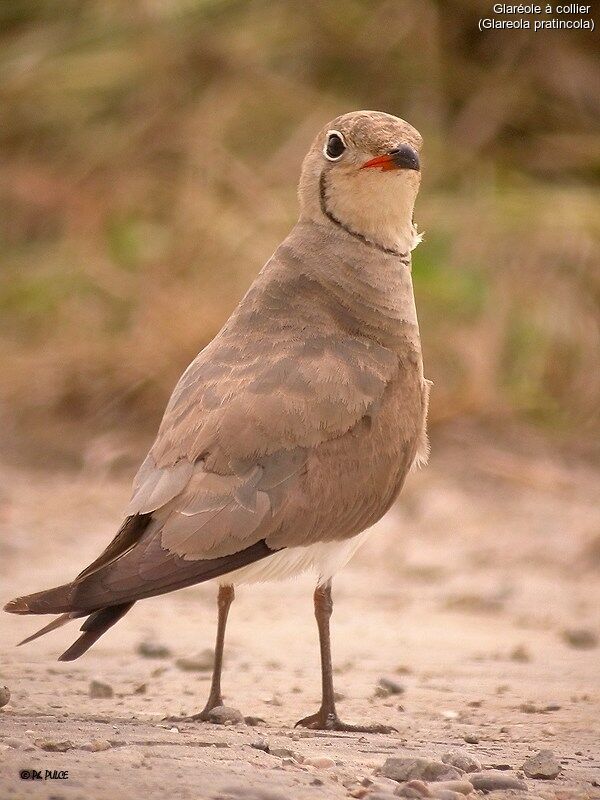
[335, 147]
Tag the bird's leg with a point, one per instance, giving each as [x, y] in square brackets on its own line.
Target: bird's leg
[224, 600]
[326, 718]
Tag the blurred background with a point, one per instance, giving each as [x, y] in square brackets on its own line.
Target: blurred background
[149, 157]
[149, 160]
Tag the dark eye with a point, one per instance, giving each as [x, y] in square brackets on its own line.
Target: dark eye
[335, 147]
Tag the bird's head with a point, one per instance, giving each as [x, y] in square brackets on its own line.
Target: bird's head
[362, 173]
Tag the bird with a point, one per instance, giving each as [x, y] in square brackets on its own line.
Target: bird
[293, 430]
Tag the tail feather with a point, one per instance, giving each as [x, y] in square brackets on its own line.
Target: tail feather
[52, 626]
[93, 628]
[50, 601]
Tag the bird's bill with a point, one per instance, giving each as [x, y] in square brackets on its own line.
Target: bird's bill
[402, 158]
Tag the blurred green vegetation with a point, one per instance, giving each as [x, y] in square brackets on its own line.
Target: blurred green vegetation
[150, 153]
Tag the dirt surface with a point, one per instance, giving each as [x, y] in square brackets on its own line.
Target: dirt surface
[465, 595]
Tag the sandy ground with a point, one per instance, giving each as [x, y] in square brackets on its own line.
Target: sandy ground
[463, 595]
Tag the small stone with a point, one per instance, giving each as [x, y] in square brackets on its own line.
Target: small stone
[96, 745]
[202, 662]
[320, 762]
[150, 649]
[224, 715]
[580, 638]
[16, 744]
[462, 760]
[521, 654]
[141, 688]
[252, 722]
[100, 690]
[413, 789]
[425, 769]
[53, 746]
[388, 686]
[282, 752]
[260, 744]
[449, 713]
[490, 779]
[4, 696]
[476, 603]
[544, 765]
[529, 707]
[445, 794]
[471, 738]
[274, 700]
[459, 787]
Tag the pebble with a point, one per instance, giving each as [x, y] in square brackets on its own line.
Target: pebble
[413, 789]
[100, 690]
[462, 760]
[490, 779]
[282, 752]
[245, 792]
[96, 745]
[543, 765]
[520, 653]
[388, 686]
[407, 769]
[53, 746]
[321, 762]
[459, 787]
[261, 744]
[471, 738]
[149, 649]
[252, 722]
[529, 707]
[17, 744]
[446, 794]
[201, 662]
[4, 696]
[580, 638]
[224, 715]
[449, 713]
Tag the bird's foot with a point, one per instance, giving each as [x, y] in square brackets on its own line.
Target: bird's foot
[201, 716]
[323, 721]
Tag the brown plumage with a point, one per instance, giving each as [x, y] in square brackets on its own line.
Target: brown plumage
[293, 430]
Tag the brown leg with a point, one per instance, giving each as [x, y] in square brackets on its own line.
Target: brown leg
[326, 717]
[224, 601]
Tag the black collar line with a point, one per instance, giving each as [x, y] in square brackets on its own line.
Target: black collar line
[404, 257]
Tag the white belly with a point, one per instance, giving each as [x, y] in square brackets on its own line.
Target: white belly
[324, 559]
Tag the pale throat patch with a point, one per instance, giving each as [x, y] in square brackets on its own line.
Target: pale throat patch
[376, 205]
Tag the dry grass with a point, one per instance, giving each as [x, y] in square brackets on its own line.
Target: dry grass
[150, 155]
